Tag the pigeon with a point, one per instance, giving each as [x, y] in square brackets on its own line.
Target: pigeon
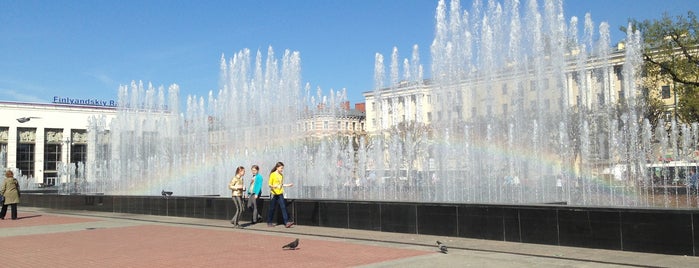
[442, 247]
[26, 119]
[292, 245]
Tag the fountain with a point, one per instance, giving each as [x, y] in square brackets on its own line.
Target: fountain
[479, 147]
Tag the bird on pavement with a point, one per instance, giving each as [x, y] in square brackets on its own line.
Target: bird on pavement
[292, 245]
[442, 247]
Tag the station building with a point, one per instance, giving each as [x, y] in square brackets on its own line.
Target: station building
[46, 142]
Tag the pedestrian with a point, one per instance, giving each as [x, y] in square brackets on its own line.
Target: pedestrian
[693, 180]
[254, 192]
[10, 192]
[237, 187]
[276, 188]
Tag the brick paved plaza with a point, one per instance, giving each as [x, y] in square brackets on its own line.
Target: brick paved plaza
[52, 238]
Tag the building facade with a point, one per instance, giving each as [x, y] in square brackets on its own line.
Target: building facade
[327, 121]
[49, 143]
[594, 82]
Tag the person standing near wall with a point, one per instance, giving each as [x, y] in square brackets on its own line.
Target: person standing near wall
[237, 187]
[693, 180]
[10, 190]
[276, 188]
[254, 192]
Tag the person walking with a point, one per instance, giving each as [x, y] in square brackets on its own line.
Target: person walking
[237, 187]
[254, 192]
[276, 188]
[10, 190]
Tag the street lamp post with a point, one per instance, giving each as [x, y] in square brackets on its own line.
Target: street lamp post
[68, 165]
[674, 91]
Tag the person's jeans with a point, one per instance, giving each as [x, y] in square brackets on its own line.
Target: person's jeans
[4, 211]
[238, 202]
[252, 203]
[272, 206]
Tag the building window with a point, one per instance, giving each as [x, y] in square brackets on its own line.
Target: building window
[102, 151]
[618, 71]
[3, 154]
[25, 159]
[339, 125]
[665, 92]
[52, 156]
[504, 110]
[78, 154]
[504, 89]
[4, 133]
[26, 139]
[78, 148]
[326, 125]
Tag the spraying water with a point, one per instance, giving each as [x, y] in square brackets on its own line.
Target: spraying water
[522, 111]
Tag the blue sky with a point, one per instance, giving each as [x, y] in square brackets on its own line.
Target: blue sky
[87, 48]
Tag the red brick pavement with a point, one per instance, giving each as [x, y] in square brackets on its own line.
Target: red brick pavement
[181, 246]
[25, 220]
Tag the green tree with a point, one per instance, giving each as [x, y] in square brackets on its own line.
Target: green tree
[654, 108]
[671, 55]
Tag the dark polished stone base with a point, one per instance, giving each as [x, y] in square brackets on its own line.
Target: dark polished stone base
[665, 231]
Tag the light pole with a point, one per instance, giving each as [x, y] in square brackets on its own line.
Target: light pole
[68, 165]
[674, 91]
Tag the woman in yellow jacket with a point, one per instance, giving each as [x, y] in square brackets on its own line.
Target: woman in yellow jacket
[10, 190]
[276, 188]
[237, 187]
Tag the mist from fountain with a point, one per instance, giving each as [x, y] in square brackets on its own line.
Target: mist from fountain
[466, 152]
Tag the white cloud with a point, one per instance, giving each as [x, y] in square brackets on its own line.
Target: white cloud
[103, 78]
[12, 95]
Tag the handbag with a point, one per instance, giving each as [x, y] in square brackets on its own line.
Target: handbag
[2, 199]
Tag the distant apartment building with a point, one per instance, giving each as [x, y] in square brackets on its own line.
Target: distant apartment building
[593, 82]
[327, 121]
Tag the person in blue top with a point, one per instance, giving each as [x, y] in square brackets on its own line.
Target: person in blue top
[254, 192]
